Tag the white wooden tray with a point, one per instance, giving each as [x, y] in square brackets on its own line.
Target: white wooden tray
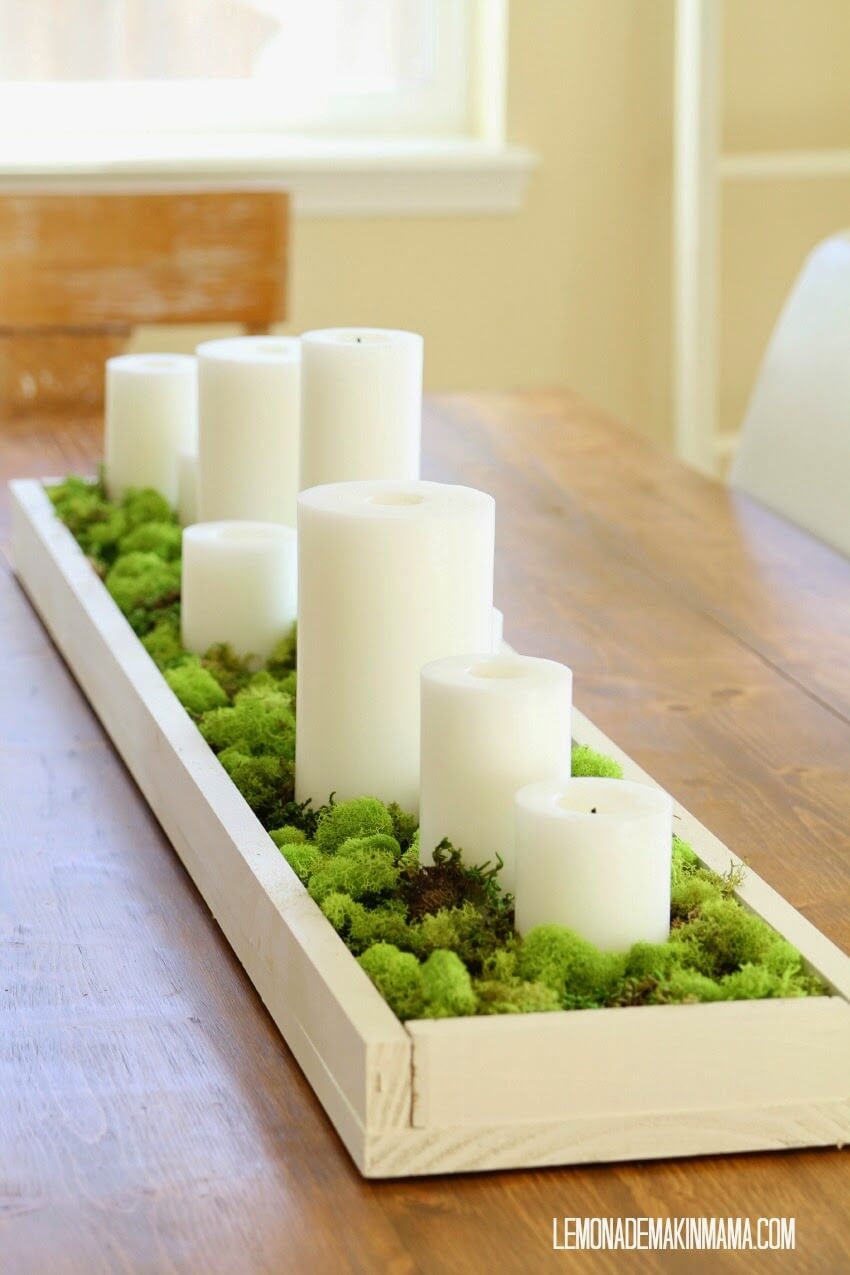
[455, 1094]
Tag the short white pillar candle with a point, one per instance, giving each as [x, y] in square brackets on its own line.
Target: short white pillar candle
[490, 725]
[249, 425]
[151, 414]
[239, 586]
[594, 855]
[391, 575]
[361, 402]
[187, 486]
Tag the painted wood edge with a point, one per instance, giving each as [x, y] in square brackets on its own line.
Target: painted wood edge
[298, 963]
[823, 956]
[630, 1062]
[659, 1136]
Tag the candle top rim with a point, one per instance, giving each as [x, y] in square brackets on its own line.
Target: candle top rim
[580, 799]
[364, 338]
[164, 363]
[239, 533]
[251, 349]
[376, 498]
[495, 673]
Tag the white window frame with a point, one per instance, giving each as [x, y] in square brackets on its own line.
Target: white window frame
[439, 150]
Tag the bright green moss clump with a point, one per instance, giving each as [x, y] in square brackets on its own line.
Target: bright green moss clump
[143, 584]
[436, 940]
[359, 818]
[587, 762]
[195, 687]
[162, 538]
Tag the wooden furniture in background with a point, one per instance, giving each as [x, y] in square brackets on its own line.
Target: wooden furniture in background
[151, 1117]
[78, 272]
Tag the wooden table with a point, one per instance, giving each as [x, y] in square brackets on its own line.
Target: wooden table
[151, 1118]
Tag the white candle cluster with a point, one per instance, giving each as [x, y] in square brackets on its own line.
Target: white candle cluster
[405, 690]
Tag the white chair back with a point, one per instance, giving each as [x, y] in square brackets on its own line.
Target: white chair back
[794, 454]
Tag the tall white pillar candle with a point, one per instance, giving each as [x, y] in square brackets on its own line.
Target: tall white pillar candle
[249, 415]
[490, 725]
[391, 575]
[239, 586]
[151, 413]
[594, 855]
[187, 486]
[361, 402]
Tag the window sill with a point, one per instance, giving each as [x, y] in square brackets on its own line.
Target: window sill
[340, 178]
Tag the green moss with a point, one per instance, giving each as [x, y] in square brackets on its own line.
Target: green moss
[358, 818]
[259, 722]
[197, 690]
[405, 826]
[588, 763]
[162, 538]
[163, 643]
[282, 659]
[398, 977]
[287, 836]
[302, 858]
[573, 968]
[364, 873]
[475, 933]
[229, 670]
[515, 997]
[362, 926]
[447, 986]
[722, 937]
[684, 986]
[262, 781]
[145, 505]
[142, 584]
[97, 524]
[376, 841]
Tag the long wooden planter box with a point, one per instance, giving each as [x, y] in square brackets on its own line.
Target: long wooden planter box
[459, 1094]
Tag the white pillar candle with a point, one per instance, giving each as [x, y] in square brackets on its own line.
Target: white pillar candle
[594, 855]
[498, 630]
[151, 413]
[361, 402]
[391, 575]
[249, 421]
[239, 586]
[187, 486]
[490, 725]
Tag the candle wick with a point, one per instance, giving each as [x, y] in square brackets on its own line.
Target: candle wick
[357, 339]
[593, 810]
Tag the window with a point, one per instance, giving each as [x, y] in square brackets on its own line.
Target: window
[342, 67]
[357, 107]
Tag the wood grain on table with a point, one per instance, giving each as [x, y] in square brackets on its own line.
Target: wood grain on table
[152, 1119]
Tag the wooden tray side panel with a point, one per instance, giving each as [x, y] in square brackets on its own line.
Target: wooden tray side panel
[728, 1056]
[605, 1139]
[351, 1046]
